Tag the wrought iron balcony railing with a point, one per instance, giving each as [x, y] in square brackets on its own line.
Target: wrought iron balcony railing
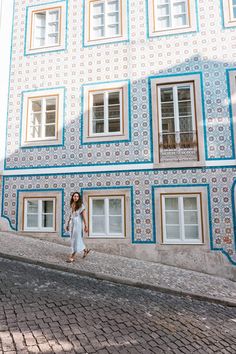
[178, 146]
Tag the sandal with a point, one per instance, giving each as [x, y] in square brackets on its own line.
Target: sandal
[70, 260]
[86, 252]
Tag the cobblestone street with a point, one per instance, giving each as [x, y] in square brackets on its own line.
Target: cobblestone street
[53, 312]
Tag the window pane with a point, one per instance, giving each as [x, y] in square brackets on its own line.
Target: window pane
[50, 131]
[114, 126]
[163, 22]
[47, 206]
[115, 224]
[173, 232]
[32, 220]
[113, 18]
[171, 203]
[113, 30]
[98, 112]
[114, 206]
[184, 93]
[114, 111]
[172, 217]
[113, 5]
[98, 20]
[53, 39]
[167, 109]
[166, 94]
[36, 119]
[98, 127]
[179, 8]
[98, 224]
[163, 10]
[36, 106]
[185, 108]
[47, 220]
[50, 117]
[53, 16]
[98, 207]
[98, 99]
[35, 132]
[98, 32]
[114, 98]
[190, 203]
[168, 125]
[191, 217]
[234, 11]
[32, 206]
[185, 124]
[98, 8]
[191, 232]
[51, 104]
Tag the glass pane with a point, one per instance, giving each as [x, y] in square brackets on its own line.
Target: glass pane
[40, 32]
[115, 224]
[167, 109]
[184, 93]
[47, 206]
[98, 127]
[36, 118]
[168, 125]
[234, 2]
[114, 126]
[32, 206]
[113, 30]
[98, 112]
[191, 217]
[51, 104]
[39, 42]
[50, 131]
[53, 39]
[185, 108]
[98, 20]
[113, 18]
[163, 10]
[171, 203]
[190, 203]
[163, 22]
[98, 224]
[53, 27]
[98, 99]
[114, 98]
[51, 117]
[191, 232]
[113, 5]
[173, 232]
[40, 19]
[98, 9]
[32, 220]
[54, 16]
[114, 206]
[35, 132]
[98, 32]
[47, 220]
[114, 111]
[185, 124]
[172, 217]
[166, 95]
[234, 12]
[98, 207]
[36, 106]
[179, 8]
[180, 20]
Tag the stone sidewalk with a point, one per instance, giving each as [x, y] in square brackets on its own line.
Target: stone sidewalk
[120, 269]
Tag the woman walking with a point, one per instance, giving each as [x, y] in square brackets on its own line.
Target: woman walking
[75, 225]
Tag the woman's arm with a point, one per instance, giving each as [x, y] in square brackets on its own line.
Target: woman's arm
[84, 220]
[68, 223]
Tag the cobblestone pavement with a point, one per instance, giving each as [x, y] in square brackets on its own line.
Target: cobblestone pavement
[54, 312]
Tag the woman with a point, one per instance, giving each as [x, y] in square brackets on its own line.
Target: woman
[75, 225]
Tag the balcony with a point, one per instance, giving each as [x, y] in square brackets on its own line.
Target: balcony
[178, 146]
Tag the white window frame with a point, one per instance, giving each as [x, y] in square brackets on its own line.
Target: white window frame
[27, 97]
[43, 118]
[191, 25]
[106, 118]
[40, 201]
[229, 19]
[107, 233]
[176, 104]
[123, 24]
[182, 239]
[168, 80]
[171, 16]
[31, 47]
[89, 90]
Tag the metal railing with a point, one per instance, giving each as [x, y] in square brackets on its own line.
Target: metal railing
[178, 146]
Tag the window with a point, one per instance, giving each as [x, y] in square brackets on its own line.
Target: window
[42, 118]
[105, 20]
[43, 113]
[181, 216]
[172, 16]
[39, 214]
[106, 112]
[106, 216]
[229, 7]
[178, 111]
[177, 137]
[46, 27]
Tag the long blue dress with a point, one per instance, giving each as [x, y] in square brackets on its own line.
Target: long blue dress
[77, 243]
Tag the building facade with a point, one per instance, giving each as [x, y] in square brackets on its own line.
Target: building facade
[132, 103]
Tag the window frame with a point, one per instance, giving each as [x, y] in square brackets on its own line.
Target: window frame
[123, 24]
[182, 239]
[124, 134]
[153, 30]
[43, 115]
[40, 201]
[31, 11]
[107, 233]
[27, 96]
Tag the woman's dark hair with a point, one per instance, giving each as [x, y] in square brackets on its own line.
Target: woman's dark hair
[78, 203]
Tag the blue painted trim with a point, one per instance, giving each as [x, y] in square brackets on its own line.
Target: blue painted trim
[234, 210]
[83, 108]
[177, 34]
[207, 186]
[149, 91]
[112, 41]
[41, 190]
[46, 51]
[2, 206]
[230, 109]
[63, 118]
[130, 188]
[224, 27]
